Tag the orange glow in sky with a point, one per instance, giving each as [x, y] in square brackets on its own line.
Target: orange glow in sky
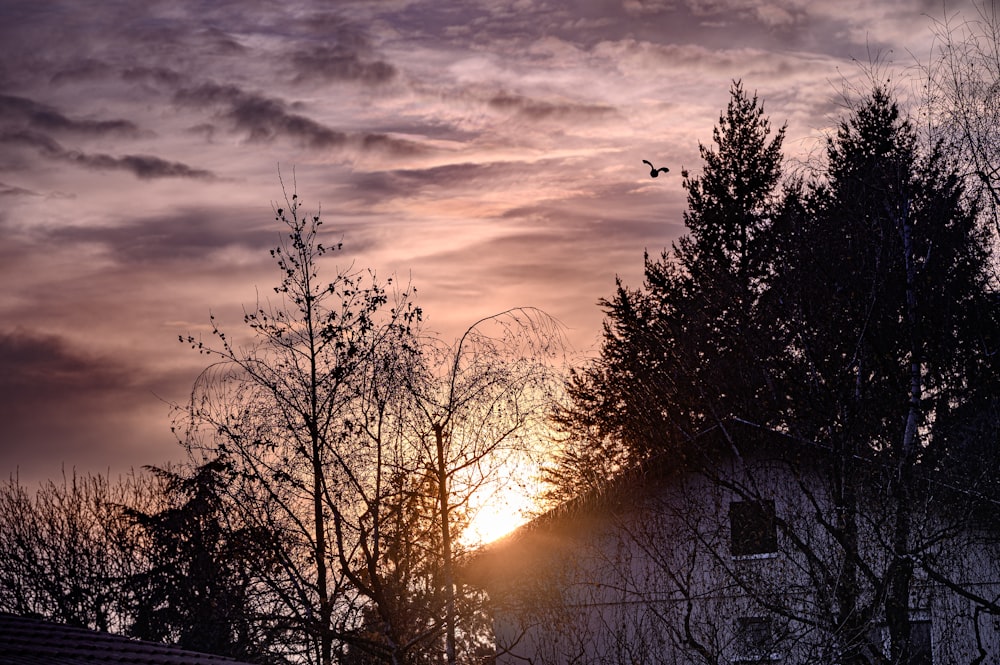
[498, 518]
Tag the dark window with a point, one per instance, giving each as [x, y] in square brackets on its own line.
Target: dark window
[752, 528]
[754, 640]
[920, 643]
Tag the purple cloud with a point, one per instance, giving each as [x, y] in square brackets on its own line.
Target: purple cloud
[32, 114]
[144, 167]
[262, 118]
[337, 63]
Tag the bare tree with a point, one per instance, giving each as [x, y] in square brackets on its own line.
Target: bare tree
[481, 410]
[282, 409]
[67, 551]
[963, 97]
[362, 445]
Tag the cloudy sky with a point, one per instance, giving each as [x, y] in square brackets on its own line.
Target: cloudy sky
[489, 151]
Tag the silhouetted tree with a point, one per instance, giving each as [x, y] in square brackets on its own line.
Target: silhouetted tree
[890, 300]
[359, 444]
[855, 315]
[198, 589]
[963, 99]
[67, 550]
[289, 411]
[696, 343]
[481, 406]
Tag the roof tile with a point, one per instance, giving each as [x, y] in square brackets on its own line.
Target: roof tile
[30, 641]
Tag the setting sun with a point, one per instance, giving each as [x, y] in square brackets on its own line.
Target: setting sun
[500, 512]
[496, 520]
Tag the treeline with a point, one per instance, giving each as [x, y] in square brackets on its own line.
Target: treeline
[337, 452]
[855, 315]
[152, 555]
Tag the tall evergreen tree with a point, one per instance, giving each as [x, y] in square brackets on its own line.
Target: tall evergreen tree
[198, 589]
[887, 293]
[692, 345]
[854, 314]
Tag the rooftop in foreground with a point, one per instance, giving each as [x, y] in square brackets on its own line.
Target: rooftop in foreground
[30, 641]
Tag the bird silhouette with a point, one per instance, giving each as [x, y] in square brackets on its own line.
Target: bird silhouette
[653, 171]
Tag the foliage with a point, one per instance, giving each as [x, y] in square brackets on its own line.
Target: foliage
[691, 345]
[854, 313]
[359, 443]
[198, 589]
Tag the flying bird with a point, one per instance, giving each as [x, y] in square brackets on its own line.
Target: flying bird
[653, 171]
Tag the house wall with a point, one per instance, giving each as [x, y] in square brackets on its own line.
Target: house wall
[651, 579]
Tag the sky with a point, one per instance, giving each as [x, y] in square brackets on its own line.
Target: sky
[488, 152]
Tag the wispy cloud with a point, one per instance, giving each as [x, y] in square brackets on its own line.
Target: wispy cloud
[337, 63]
[491, 148]
[161, 75]
[540, 110]
[88, 69]
[263, 119]
[29, 113]
[60, 405]
[12, 190]
[145, 167]
[45, 367]
[185, 237]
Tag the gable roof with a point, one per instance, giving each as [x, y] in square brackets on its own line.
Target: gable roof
[502, 560]
[30, 641]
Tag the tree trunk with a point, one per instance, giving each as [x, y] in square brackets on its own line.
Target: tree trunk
[325, 608]
[850, 624]
[449, 577]
[897, 606]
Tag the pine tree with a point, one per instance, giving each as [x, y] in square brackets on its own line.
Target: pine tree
[198, 589]
[888, 295]
[690, 347]
[854, 315]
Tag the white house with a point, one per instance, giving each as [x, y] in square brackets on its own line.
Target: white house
[740, 557]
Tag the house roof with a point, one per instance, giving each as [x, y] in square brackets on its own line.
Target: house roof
[511, 556]
[561, 527]
[504, 559]
[30, 641]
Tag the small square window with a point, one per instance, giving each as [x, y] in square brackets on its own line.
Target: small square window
[752, 528]
[755, 640]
